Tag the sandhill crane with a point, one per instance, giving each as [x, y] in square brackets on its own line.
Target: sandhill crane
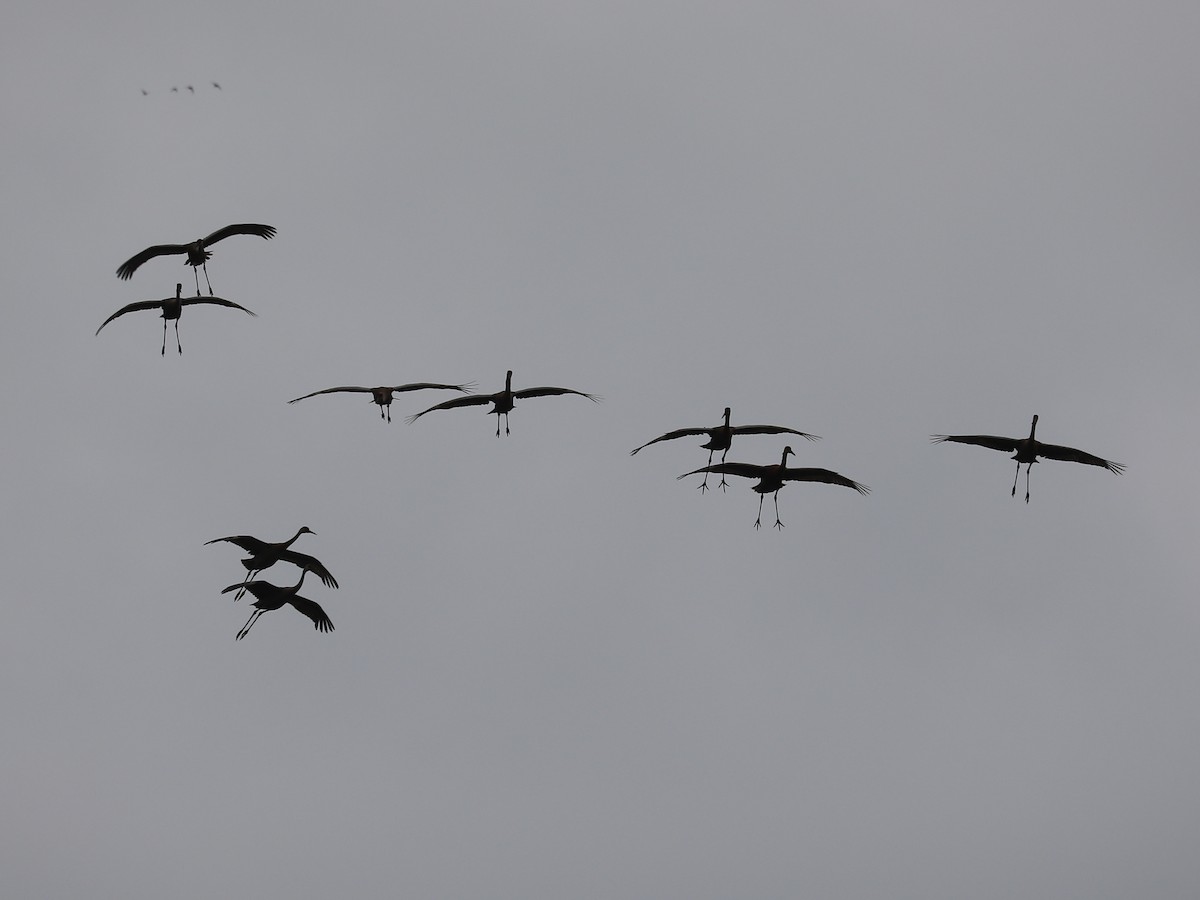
[172, 308]
[1027, 451]
[264, 554]
[502, 401]
[720, 437]
[772, 478]
[191, 89]
[270, 596]
[217, 86]
[197, 251]
[383, 395]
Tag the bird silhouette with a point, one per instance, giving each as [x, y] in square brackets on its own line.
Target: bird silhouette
[269, 597]
[172, 308]
[145, 93]
[175, 90]
[192, 89]
[1027, 450]
[502, 400]
[264, 554]
[771, 479]
[383, 395]
[197, 251]
[720, 437]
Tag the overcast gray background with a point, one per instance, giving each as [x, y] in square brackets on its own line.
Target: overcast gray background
[557, 671]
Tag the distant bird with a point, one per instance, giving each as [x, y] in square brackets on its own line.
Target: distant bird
[217, 86]
[175, 90]
[264, 554]
[1027, 451]
[270, 596]
[383, 395]
[772, 478]
[145, 93]
[197, 251]
[502, 401]
[172, 308]
[192, 89]
[720, 437]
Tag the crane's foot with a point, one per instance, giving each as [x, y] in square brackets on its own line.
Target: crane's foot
[778, 524]
[724, 485]
[703, 486]
[757, 524]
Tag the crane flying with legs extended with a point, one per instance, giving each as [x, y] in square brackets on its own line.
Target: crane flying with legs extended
[264, 554]
[197, 251]
[772, 478]
[1027, 450]
[502, 401]
[172, 308]
[383, 395]
[270, 597]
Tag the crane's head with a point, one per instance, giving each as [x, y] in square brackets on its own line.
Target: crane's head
[304, 529]
[786, 452]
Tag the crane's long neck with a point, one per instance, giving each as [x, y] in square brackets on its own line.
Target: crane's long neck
[1032, 429]
[783, 459]
[295, 537]
[508, 381]
[727, 417]
[303, 572]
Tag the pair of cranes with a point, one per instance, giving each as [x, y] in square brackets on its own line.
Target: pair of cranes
[268, 597]
[197, 254]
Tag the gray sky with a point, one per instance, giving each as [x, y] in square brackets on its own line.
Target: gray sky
[556, 670]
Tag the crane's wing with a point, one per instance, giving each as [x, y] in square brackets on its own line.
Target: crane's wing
[552, 392]
[364, 390]
[672, 435]
[262, 231]
[1004, 444]
[825, 476]
[132, 307]
[428, 385]
[473, 400]
[746, 470]
[127, 268]
[191, 301]
[313, 610]
[311, 564]
[245, 541]
[772, 429]
[1070, 454]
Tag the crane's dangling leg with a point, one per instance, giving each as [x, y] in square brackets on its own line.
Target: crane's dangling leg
[778, 521]
[1027, 468]
[177, 344]
[164, 346]
[196, 275]
[206, 281]
[758, 521]
[249, 624]
[704, 483]
[724, 485]
[242, 590]
[1015, 476]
